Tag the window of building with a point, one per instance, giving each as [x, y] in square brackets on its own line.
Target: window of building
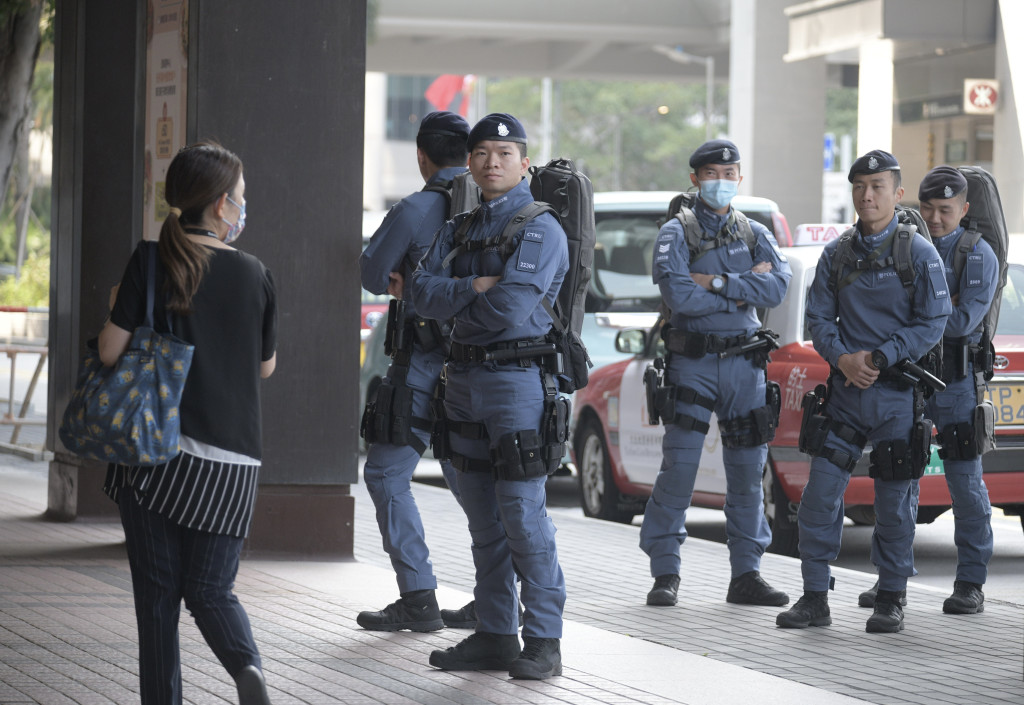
[406, 106]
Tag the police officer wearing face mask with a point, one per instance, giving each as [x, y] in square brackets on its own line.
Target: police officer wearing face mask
[398, 429]
[943, 197]
[714, 293]
[495, 404]
[865, 320]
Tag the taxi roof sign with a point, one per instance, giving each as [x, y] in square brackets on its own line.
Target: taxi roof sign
[817, 233]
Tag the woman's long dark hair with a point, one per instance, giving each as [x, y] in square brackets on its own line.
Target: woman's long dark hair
[198, 175]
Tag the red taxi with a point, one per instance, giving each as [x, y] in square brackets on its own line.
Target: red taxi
[618, 453]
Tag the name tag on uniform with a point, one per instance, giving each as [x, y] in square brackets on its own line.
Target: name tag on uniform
[937, 275]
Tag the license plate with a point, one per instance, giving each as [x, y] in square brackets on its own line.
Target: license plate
[1008, 399]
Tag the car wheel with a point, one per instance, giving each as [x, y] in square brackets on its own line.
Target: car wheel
[781, 514]
[861, 514]
[598, 495]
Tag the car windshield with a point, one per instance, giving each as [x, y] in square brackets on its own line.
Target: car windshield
[622, 262]
[1011, 310]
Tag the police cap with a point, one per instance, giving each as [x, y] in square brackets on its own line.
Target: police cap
[941, 182]
[497, 126]
[444, 123]
[874, 162]
[715, 152]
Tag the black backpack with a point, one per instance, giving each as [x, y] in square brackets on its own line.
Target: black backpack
[560, 189]
[984, 220]
[681, 208]
[461, 192]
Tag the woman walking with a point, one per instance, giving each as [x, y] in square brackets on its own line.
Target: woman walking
[185, 521]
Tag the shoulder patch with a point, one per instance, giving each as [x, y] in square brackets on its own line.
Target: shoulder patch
[533, 236]
[974, 271]
[529, 256]
[937, 277]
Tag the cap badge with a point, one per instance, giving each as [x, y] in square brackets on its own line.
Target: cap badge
[947, 192]
[502, 130]
[872, 163]
[726, 153]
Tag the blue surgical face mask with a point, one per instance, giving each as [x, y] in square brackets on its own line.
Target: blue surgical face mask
[235, 229]
[718, 193]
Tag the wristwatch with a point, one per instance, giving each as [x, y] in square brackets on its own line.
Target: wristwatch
[717, 284]
[879, 360]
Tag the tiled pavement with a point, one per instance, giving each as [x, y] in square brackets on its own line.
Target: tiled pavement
[67, 632]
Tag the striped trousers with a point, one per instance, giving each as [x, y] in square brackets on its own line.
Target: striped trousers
[170, 563]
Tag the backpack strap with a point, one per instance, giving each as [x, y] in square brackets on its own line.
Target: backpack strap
[694, 233]
[968, 241]
[844, 259]
[505, 240]
[902, 260]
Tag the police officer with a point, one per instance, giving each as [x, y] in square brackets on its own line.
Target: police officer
[713, 296]
[864, 320]
[943, 197]
[385, 264]
[495, 403]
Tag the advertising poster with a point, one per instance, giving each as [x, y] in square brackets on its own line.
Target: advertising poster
[166, 98]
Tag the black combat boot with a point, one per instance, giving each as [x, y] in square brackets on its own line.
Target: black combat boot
[751, 589]
[664, 592]
[967, 598]
[867, 598]
[465, 617]
[416, 611]
[480, 651]
[811, 610]
[541, 658]
[888, 615]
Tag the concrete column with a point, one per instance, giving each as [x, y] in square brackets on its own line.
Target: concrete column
[875, 97]
[776, 111]
[1008, 160]
[283, 87]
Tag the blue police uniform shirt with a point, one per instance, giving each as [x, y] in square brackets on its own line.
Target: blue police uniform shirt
[404, 236]
[976, 286]
[697, 310]
[512, 309]
[876, 312]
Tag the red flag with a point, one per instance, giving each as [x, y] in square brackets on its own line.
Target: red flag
[443, 90]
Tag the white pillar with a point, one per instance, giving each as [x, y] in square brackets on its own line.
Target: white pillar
[375, 118]
[776, 111]
[875, 97]
[1008, 160]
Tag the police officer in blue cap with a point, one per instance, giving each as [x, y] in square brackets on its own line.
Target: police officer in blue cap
[716, 362]
[943, 197]
[869, 315]
[399, 428]
[495, 391]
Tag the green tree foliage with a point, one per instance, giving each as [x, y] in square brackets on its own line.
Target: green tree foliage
[33, 287]
[624, 136]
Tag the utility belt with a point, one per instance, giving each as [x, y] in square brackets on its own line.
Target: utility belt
[746, 431]
[958, 357]
[897, 459]
[404, 330]
[757, 347]
[523, 352]
[519, 455]
[388, 415]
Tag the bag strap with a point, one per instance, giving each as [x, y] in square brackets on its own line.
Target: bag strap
[150, 283]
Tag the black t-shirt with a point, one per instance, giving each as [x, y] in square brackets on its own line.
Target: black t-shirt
[233, 326]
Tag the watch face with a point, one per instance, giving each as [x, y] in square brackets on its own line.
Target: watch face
[717, 283]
